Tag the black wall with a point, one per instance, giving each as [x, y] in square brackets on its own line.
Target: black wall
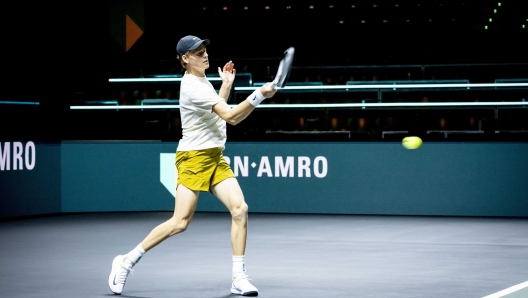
[55, 51]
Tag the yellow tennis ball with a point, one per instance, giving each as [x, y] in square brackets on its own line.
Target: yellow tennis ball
[412, 142]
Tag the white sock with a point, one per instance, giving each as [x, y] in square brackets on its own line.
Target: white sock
[238, 265]
[135, 255]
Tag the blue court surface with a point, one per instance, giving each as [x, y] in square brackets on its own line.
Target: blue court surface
[287, 255]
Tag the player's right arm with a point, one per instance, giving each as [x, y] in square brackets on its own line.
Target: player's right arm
[239, 112]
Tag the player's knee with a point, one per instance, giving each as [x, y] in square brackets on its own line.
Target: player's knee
[239, 213]
[176, 227]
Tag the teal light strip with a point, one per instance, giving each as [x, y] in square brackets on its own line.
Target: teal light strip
[394, 86]
[136, 80]
[328, 105]
[19, 103]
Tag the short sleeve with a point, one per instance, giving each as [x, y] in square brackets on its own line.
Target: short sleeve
[204, 97]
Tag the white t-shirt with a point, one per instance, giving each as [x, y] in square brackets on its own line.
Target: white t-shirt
[201, 127]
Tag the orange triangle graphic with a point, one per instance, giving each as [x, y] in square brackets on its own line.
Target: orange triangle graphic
[133, 32]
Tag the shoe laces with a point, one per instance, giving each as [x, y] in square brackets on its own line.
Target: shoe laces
[241, 276]
[122, 275]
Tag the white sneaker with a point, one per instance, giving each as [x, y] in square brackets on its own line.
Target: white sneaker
[242, 286]
[119, 274]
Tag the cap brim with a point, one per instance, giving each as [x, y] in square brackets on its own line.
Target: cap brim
[197, 44]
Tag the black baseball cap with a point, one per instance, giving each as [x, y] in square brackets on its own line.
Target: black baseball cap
[189, 43]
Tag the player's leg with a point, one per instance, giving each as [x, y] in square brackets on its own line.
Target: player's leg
[183, 213]
[230, 194]
[184, 209]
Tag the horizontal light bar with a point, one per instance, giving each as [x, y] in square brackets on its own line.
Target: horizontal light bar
[149, 107]
[19, 103]
[363, 86]
[395, 104]
[309, 132]
[327, 105]
[394, 86]
[136, 80]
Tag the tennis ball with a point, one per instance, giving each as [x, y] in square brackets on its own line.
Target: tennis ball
[411, 142]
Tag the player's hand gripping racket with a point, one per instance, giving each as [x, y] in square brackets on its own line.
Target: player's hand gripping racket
[283, 72]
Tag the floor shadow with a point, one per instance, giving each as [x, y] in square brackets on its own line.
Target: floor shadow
[125, 296]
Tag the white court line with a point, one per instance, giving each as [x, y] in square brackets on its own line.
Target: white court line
[508, 290]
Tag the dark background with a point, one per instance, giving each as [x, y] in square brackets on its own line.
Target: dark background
[53, 43]
[52, 51]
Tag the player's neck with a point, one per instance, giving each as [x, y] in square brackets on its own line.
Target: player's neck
[196, 72]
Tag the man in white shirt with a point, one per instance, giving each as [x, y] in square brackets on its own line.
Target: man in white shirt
[200, 165]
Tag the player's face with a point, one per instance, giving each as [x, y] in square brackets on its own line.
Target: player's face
[198, 58]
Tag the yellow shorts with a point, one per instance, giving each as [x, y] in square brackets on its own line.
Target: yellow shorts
[200, 169]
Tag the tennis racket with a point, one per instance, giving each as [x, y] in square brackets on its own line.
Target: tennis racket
[283, 72]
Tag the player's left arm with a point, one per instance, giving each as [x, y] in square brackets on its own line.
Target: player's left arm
[227, 74]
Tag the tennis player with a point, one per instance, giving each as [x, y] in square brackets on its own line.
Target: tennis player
[200, 165]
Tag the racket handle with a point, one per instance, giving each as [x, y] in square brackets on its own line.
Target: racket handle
[274, 86]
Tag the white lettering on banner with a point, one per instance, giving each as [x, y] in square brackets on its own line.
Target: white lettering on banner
[324, 167]
[282, 167]
[243, 167]
[22, 156]
[303, 166]
[264, 167]
[5, 160]
[17, 155]
[30, 146]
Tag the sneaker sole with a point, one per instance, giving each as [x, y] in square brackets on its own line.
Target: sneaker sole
[251, 293]
[112, 276]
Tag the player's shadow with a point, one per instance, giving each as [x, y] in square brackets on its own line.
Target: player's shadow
[132, 296]
[125, 296]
